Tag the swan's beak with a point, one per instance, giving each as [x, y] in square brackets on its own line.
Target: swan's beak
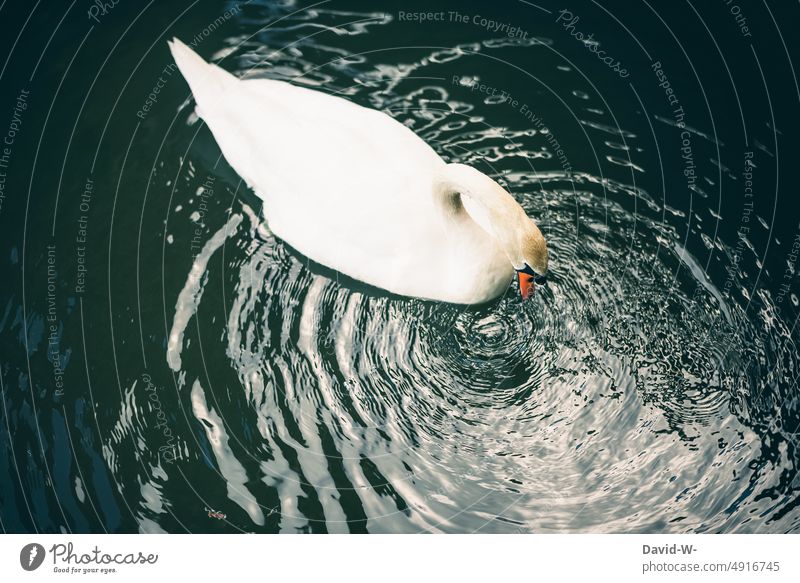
[528, 280]
[526, 285]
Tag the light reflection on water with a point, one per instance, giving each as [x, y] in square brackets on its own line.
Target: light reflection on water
[635, 393]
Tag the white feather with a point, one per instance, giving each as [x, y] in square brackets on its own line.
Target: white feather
[352, 188]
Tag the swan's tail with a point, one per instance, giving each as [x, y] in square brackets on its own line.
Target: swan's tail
[207, 81]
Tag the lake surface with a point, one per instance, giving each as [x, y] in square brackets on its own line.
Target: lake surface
[169, 365]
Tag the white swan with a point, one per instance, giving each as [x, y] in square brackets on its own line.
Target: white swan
[357, 191]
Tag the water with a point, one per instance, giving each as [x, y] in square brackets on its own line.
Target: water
[169, 365]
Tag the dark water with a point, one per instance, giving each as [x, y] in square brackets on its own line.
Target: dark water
[168, 365]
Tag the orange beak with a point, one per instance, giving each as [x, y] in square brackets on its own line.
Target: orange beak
[526, 285]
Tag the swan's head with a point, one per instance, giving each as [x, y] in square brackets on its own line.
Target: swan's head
[495, 210]
[531, 261]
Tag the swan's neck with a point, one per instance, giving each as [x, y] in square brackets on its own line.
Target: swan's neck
[464, 193]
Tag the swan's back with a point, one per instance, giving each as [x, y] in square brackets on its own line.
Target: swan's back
[316, 160]
[268, 130]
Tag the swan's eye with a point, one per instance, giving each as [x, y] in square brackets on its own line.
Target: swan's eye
[537, 278]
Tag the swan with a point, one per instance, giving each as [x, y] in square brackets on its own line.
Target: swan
[357, 191]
